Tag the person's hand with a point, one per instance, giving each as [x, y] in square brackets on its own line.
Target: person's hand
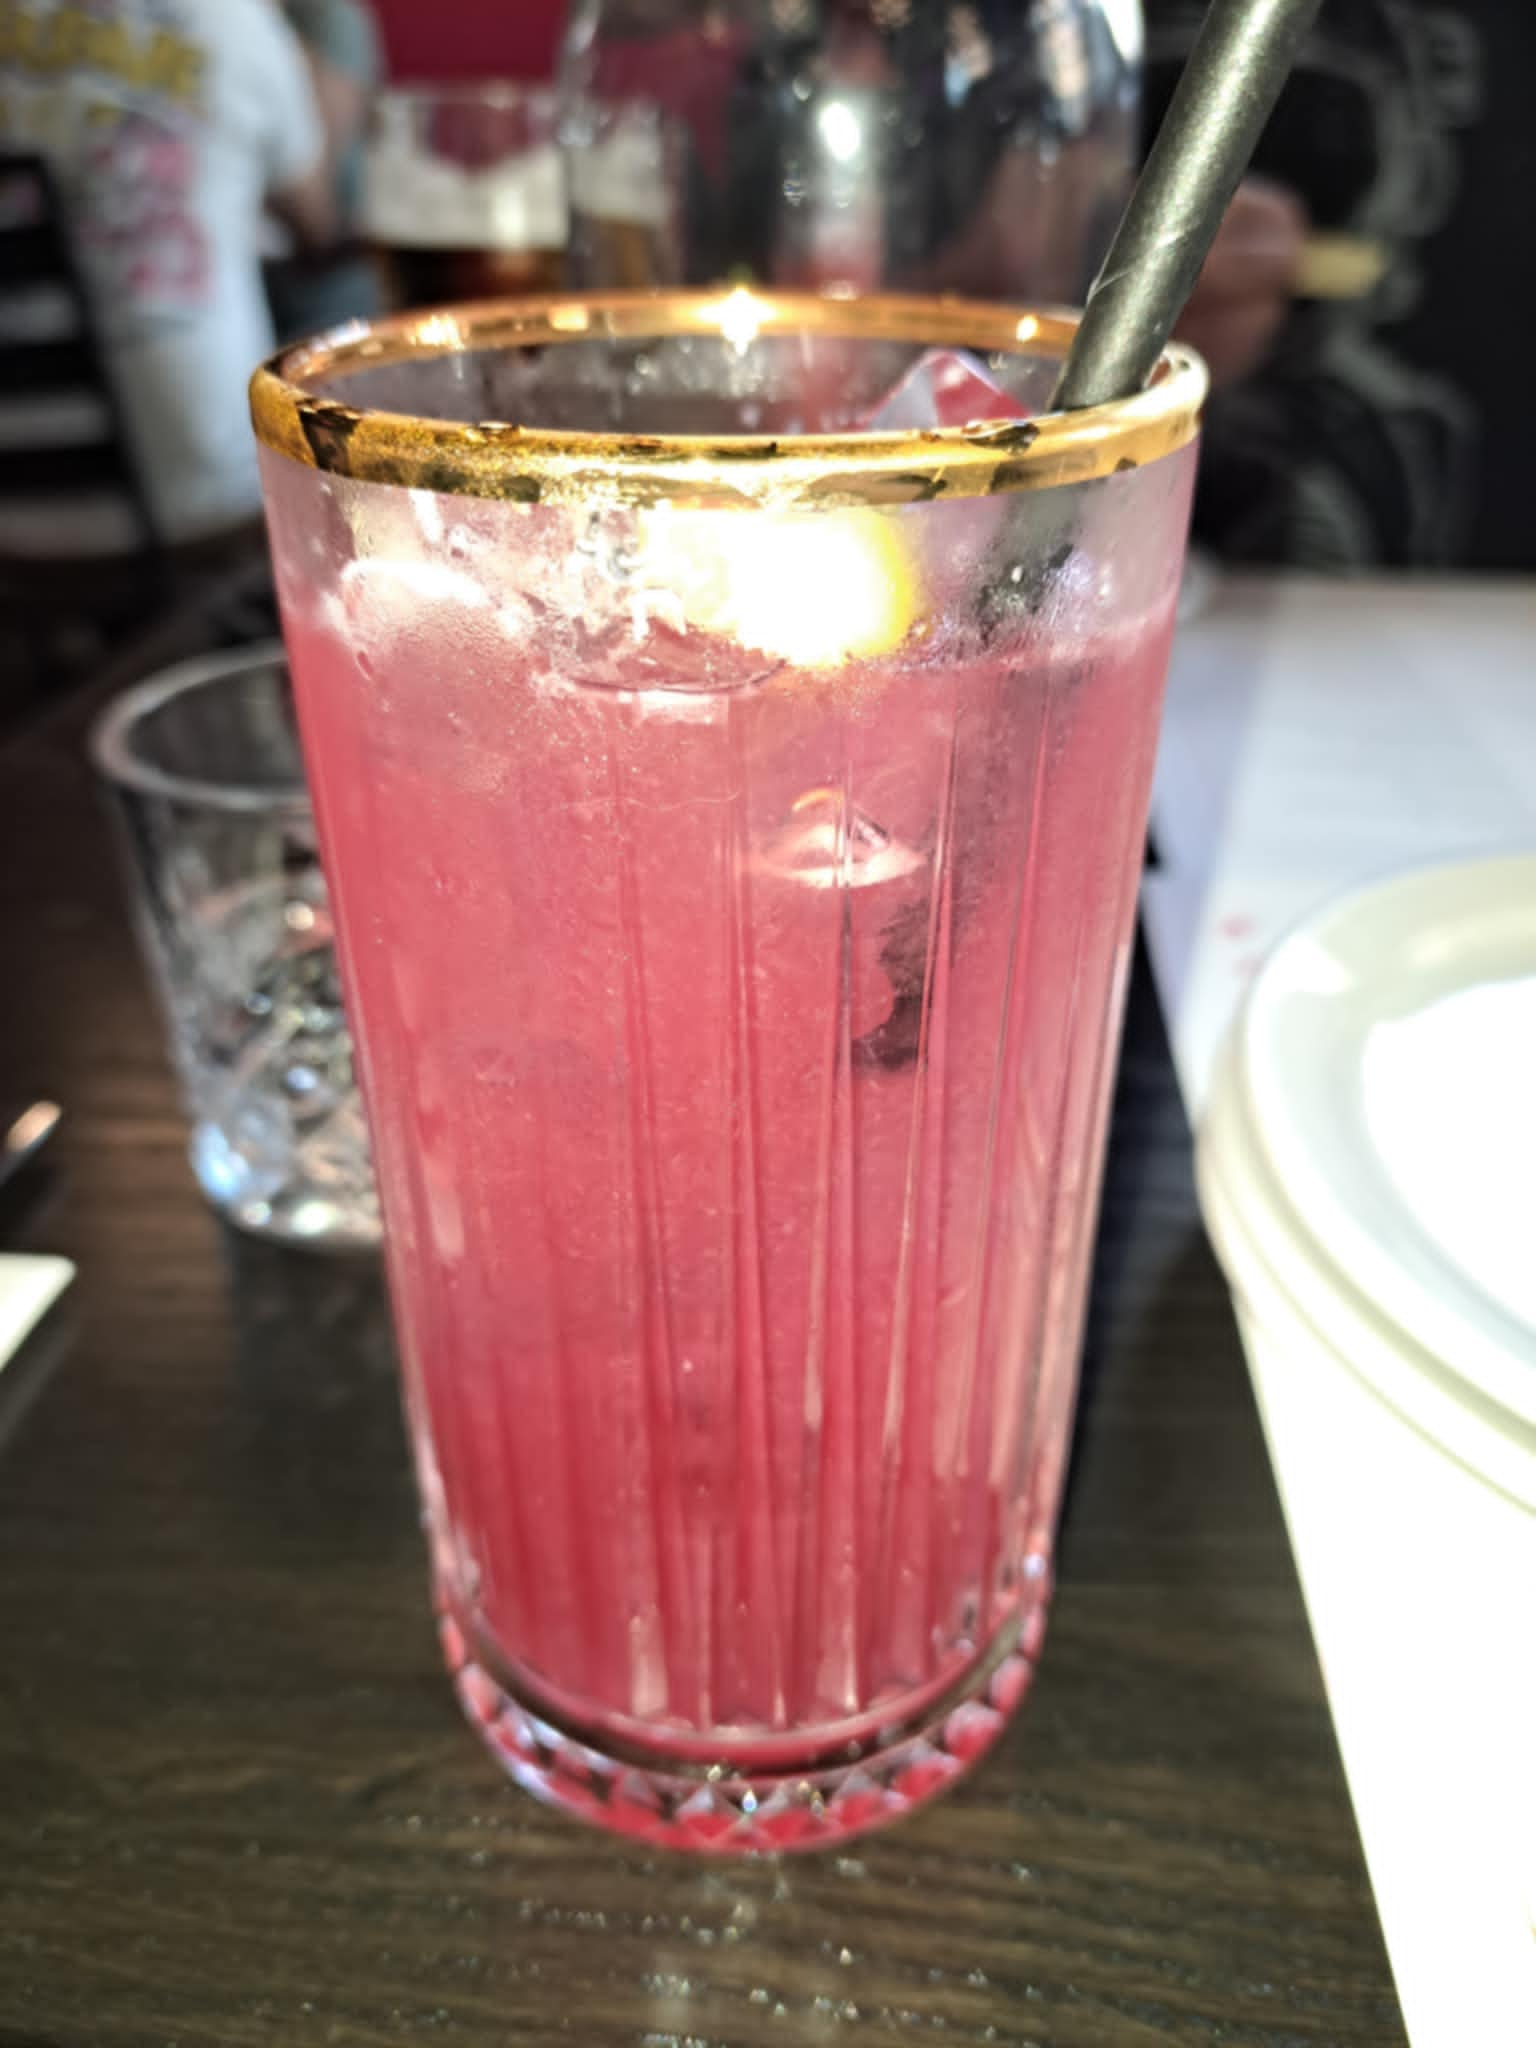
[1248, 281]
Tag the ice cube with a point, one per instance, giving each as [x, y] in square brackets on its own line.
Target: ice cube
[812, 846]
[950, 387]
[825, 843]
[945, 387]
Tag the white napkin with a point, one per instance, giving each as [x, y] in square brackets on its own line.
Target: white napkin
[29, 1287]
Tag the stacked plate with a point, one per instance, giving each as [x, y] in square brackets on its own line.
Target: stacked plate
[1367, 1159]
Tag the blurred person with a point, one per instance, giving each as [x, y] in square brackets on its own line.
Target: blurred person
[1392, 426]
[169, 126]
[1247, 285]
[1382, 422]
[318, 288]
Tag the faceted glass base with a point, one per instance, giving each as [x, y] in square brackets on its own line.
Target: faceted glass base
[723, 1810]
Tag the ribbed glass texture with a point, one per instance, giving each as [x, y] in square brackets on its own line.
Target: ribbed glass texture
[737, 1025]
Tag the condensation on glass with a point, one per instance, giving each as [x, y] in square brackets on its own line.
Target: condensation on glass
[735, 843]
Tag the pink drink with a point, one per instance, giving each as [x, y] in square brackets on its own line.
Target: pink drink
[737, 1037]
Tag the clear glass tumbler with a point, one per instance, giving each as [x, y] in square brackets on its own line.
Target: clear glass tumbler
[218, 842]
[735, 832]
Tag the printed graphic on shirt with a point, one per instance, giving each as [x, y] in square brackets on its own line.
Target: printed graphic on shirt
[118, 107]
[46, 42]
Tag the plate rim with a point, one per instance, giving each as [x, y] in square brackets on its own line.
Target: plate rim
[1486, 1347]
[1235, 1181]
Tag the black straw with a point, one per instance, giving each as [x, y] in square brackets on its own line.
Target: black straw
[1228, 88]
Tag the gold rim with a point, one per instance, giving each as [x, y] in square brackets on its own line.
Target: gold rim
[528, 465]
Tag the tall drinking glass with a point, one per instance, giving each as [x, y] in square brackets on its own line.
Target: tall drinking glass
[734, 833]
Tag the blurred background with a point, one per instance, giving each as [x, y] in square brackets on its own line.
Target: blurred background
[186, 183]
[480, 37]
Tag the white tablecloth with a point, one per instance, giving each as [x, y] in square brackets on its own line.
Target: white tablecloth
[1319, 735]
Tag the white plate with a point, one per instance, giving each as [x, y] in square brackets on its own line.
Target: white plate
[1387, 1060]
[1298, 1297]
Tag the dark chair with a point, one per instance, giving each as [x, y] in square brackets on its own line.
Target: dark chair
[80, 558]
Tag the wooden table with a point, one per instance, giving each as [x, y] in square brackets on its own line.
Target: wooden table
[237, 1802]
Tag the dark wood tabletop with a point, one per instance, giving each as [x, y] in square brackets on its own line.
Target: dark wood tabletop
[238, 1804]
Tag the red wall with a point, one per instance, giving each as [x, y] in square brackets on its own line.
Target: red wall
[470, 38]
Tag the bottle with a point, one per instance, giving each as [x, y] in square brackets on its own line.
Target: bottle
[976, 146]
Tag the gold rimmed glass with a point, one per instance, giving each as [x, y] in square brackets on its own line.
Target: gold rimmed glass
[733, 814]
[343, 403]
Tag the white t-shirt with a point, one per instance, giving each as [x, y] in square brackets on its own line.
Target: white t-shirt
[167, 122]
